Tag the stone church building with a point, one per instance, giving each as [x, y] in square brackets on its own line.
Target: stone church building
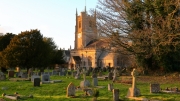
[91, 50]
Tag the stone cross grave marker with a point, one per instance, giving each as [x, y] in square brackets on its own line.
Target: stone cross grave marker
[133, 91]
[71, 90]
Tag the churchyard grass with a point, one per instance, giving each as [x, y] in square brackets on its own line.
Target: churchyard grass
[57, 91]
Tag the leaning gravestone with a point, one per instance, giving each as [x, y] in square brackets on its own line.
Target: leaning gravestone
[155, 88]
[37, 82]
[115, 94]
[11, 73]
[71, 90]
[133, 91]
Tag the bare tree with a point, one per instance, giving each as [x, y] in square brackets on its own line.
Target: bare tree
[148, 29]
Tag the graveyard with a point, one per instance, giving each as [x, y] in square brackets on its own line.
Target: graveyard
[85, 85]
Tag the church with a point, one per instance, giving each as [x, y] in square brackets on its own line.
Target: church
[91, 50]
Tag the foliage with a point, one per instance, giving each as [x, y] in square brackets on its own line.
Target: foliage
[28, 49]
[5, 40]
[58, 57]
[147, 29]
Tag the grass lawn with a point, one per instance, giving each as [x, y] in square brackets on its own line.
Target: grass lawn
[57, 91]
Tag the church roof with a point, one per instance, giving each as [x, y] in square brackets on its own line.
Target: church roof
[67, 52]
[98, 43]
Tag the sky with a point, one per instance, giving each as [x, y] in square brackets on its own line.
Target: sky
[54, 18]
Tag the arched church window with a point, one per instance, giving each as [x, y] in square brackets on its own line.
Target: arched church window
[89, 61]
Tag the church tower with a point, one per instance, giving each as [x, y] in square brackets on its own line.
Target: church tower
[85, 29]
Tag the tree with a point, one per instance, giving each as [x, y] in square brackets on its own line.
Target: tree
[5, 40]
[58, 57]
[152, 26]
[27, 49]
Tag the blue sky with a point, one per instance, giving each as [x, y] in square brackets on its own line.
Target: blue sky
[54, 18]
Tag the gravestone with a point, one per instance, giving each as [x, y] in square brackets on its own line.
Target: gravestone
[2, 76]
[115, 94]
[110, 87]
[110, 75]
[54, 72]
[11, 73]
[85, 83]
[78, 76]
[100, 73]
[30, 72]
[24, 75]
[37, 82]
[94, 75]
[115, 74]
[155, 88]
[74, 73]
[133, 91]
[70, 90]
[94, 81]
[45, 77]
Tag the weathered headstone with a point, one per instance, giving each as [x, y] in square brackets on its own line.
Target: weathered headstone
[45, 77]
[110, 86]
[110, 75]
[37, 82]
[94, 81]
[155, 88]
[11, 73]
[115, 94]
[78, 76]
[24, 75]
[2, 76]
[133, 91]
[70, 90]
[115, 74]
